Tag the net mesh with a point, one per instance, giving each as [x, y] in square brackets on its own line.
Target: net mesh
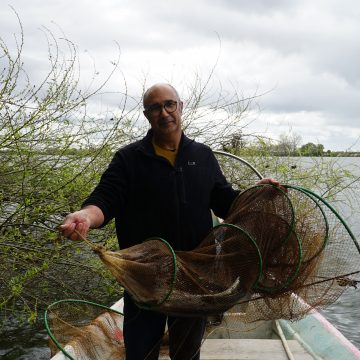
[278, 254]
[209, 279]
[84, 330]
[274, 244]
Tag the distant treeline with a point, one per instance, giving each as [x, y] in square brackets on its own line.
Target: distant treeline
[287, 145]
[342, 153]
[308, 149]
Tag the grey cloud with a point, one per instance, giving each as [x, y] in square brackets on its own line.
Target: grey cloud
[322, 37]
[258, 6]
[336, 102]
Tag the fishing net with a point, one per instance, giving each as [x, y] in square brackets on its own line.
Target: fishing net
[85, 330]
[274, 247]
[280, 253]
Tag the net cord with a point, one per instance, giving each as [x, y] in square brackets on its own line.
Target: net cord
[86, 241]
[339, 277]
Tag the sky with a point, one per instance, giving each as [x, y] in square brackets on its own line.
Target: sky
[300, 58]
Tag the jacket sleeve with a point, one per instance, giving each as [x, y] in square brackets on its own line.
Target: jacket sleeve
[222, 194]
[110, 194]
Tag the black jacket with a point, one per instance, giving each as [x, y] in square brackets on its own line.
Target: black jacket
[149, 197]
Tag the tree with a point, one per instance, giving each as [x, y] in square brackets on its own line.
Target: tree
[311, 149]
[235, 143]
[288, 144]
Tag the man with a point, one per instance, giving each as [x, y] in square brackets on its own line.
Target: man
[163, 185]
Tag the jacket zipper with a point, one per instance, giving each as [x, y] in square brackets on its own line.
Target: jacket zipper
[180, 178]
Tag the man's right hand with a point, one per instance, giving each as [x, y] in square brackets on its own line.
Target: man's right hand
[81, 221]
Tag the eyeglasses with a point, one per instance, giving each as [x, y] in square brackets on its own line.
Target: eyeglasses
[170, 106]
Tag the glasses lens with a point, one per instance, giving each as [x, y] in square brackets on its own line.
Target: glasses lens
[170, 106]
[155, 109]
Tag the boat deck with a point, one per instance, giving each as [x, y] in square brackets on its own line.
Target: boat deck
[249, 349]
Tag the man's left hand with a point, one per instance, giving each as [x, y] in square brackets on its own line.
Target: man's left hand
[272, 182]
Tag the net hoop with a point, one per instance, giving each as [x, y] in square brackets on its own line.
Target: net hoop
[333, 211]
[291, 277]
[291, 225]
[78, 301]
[314, 198]
[291, 234]
[258, 174]
[173, 279]
[252, 242]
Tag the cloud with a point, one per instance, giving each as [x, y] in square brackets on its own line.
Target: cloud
[303, 55]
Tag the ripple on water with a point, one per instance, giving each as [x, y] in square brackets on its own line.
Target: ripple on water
[345, 315]
[25, 343]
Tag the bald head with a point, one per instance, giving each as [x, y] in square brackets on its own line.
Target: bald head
[163, 109]
[157, 87]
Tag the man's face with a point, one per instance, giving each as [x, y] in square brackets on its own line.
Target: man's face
[159, 104]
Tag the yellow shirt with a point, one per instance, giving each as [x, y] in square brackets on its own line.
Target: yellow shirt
[169, 155]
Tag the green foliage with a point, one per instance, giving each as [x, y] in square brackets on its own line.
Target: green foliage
[48, 166]
[310, 149]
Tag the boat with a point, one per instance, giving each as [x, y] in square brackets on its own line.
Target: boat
[312, 337]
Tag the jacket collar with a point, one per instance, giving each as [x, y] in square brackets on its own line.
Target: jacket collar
[146, 146]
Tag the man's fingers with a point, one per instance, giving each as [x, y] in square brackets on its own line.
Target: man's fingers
[67, 229]
[72, 230]
[75, 236]
[269, 181]
[81, 231]
[75, 226]
[273, 182]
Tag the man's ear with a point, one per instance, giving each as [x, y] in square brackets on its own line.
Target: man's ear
[144, 112]
[181, 105]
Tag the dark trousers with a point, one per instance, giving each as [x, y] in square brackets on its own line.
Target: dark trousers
[144, 329]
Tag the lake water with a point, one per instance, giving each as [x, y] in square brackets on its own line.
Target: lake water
[30, 342]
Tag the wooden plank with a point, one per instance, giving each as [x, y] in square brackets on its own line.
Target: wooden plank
[249, 349]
